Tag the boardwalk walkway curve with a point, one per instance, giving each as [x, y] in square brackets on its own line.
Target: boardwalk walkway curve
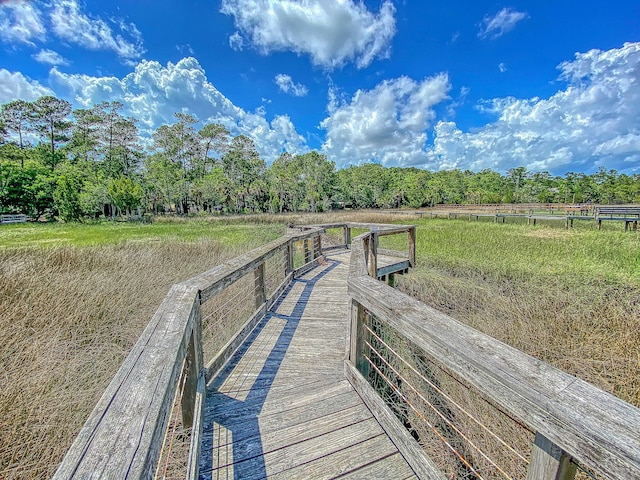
[290, 395]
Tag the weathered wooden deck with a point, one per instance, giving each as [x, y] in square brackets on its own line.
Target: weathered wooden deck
[282, 408]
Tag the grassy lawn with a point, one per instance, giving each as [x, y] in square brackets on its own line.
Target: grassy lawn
[110, 233]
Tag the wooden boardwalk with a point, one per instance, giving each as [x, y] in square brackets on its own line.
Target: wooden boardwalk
[282, 408]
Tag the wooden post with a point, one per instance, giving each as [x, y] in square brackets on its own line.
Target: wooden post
[307, 253]
[196, 432]
[412, 246]
[549, 462]
[346, 236]
[317, 251]
[193, 365]
[373, 255]
[359, 318]
[260, 294]
[288, 258]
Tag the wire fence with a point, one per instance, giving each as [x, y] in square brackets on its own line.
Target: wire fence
[275, 269]
[464, 433]
[224, 314]
[332, 238]
[174, 453]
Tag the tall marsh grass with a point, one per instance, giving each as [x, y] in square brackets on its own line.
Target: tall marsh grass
[75, 298]
[570, 298]
[68, 317]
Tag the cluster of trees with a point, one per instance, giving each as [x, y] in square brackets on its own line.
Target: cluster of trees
[87, 163]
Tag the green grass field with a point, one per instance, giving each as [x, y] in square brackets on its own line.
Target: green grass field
[75, 297]
[111, 233]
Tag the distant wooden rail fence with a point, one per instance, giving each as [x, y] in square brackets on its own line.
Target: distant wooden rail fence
[534, 212]
[576, 425]
[574, 422]
[18, 218]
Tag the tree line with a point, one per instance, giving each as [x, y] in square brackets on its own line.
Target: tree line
[70, 164]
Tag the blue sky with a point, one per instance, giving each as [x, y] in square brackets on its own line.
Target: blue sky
[459, 84]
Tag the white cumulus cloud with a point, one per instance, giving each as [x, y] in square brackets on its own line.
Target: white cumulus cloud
[502, 22]
[153, 92]
[287, 85]
[593, 121]
[21, 22]
[14, 86]
[50, 57]
[386, 124]
[331, 32]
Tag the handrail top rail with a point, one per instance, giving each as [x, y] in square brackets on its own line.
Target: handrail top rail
[212, 281]
[595, 427]
[380, 226]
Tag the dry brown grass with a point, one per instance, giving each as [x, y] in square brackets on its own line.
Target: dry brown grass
[68, 317]
[591, 331]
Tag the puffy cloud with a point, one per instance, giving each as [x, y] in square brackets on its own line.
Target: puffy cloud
[286, 84]
[72, 25]
[14, 85]
[153, 92]
[594, 121]
[20, 22]
[386, 124]
[50, 57]
[502, 67]
[331, 32]
[502, 22]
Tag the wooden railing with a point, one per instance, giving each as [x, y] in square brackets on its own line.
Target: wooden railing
[169, 366]
[410, 351]
[124, 435]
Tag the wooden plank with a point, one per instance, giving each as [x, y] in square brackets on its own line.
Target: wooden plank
[305, 452]
[347, 461]
[224, 412]
[598, 429]
[253, 445]
[392, 466]
[404, 442]
[122, 436]
[272, 422]
[393, 268]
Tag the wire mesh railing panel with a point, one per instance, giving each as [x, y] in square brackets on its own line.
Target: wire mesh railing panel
[226, 312]
[274, 271]
[174, 453]
[304, 251]
[466, 435]
[333, 237]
